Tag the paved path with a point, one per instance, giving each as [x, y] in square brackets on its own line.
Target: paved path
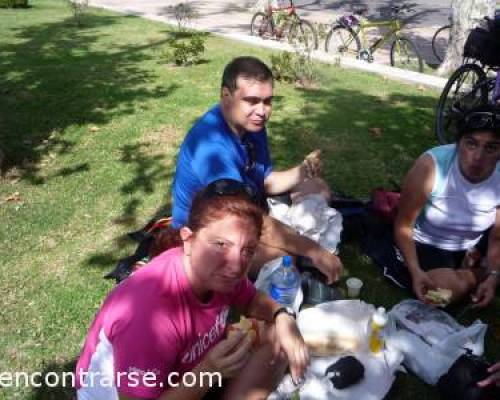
[232, 18]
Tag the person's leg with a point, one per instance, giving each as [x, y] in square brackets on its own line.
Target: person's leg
[445, 269]
[259, 377]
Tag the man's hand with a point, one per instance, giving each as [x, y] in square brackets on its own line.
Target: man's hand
[494, 378]
[289, 340]
[485, 292]
[228, 356]
[312, 164]
[421, 284]
[328, 263]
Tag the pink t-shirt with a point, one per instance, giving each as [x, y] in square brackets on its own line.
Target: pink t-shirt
[150, 325]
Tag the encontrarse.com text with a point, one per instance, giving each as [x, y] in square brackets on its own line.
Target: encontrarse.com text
[91, 379]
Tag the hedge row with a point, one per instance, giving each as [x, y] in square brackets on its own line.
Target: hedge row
[13, 3]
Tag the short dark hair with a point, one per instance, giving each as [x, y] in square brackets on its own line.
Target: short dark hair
[247, 67]
[483, 118]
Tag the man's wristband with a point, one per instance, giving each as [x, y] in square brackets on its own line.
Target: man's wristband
[286, 310]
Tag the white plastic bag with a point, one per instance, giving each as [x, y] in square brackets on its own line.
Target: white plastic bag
[344, 319]
[430, 339]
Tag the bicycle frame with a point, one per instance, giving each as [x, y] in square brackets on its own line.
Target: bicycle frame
[394, 25]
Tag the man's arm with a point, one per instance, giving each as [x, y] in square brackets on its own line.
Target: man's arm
[416, 190]
[278, 239]
[278, 182]
[486, 290]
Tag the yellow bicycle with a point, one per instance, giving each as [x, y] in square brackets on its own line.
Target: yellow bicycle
[348, 36]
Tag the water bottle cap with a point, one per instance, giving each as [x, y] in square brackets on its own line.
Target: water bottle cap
[380, 316]
[287, 261]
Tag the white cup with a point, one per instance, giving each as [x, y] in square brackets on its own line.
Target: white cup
[353, 287]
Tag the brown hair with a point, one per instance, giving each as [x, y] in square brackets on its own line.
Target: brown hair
[205, 210]
[247, 67]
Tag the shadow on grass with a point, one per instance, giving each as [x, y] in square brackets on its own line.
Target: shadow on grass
[53, 76]
[60, 391]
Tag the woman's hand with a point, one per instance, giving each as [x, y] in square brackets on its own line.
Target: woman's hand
[421, 283]
[289, 340]
[485, 292]
[494, 378]
[228, 356]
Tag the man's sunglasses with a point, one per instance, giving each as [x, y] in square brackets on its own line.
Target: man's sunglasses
[482, 120]
[251, 154]
[231, 187]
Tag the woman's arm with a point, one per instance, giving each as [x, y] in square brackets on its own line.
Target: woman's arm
[486, 290]
[417, 187]
[226, 358]
[287, 336]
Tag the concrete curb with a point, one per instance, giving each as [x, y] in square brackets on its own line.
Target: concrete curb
[397, 74]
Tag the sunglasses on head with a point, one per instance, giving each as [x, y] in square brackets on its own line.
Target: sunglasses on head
[482, 120]
[230, 187]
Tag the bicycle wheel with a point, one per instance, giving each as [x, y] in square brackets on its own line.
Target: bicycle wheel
[302, 34]
[404, 54]
[466, 88]
[440, 42]
[342, 40]
[261, 25]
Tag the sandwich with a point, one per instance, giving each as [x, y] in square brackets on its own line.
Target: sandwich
[249, 326]
[440, 297]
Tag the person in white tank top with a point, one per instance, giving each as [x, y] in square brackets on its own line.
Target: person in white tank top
[450, 197]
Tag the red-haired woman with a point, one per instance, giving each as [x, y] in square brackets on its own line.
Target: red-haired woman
[167, 321]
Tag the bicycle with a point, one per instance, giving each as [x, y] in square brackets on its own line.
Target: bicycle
[440, 41]
[348, 35]
[474, 83]
[281, 22]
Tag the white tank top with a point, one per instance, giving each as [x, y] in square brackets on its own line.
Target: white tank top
[457, 211]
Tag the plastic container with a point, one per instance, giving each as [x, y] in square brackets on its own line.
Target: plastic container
[377, 324]
[285, 282]
[354, 286]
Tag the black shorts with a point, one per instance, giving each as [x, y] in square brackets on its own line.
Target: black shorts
[383, 251]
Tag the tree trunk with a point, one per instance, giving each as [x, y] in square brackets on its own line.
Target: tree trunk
[466, 14]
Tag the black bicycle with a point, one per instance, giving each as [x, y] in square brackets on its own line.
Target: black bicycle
[474, 83]
[440, 42]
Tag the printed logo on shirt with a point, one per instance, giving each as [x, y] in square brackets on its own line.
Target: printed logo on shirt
[208, 338]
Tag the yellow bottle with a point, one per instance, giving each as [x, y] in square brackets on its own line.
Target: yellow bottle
[377, 324]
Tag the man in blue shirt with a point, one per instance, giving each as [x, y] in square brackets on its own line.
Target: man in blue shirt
[230, 142]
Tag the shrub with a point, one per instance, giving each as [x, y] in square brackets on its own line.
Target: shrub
[294, 67]
[13, 3]
[186, 50]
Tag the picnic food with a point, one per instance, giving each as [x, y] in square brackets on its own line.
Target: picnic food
[440, 296]
[249, 326]
[322, 345]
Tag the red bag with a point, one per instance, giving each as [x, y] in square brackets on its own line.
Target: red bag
[385, 204]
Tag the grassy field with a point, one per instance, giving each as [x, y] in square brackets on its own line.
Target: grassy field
[90, 122]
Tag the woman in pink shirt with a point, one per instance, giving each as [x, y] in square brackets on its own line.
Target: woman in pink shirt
[160, 334]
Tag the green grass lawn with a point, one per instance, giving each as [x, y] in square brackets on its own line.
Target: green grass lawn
[90, 122]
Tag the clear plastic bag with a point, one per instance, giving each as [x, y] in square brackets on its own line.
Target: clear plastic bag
[430, 339]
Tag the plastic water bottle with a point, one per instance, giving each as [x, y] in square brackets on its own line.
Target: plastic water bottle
[285, 282]
[377, 324]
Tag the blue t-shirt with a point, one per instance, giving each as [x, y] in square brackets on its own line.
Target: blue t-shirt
[211, 151]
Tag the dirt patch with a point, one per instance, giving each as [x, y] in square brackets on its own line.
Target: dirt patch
[161, 141]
